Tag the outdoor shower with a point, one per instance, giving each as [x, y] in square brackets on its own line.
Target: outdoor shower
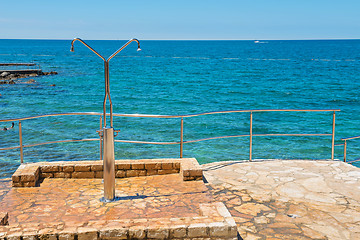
[107, 133]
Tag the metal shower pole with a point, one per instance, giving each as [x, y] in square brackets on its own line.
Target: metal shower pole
[107, 132]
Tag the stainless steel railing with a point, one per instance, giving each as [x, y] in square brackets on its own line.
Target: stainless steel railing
[181, 142]
[345, 147]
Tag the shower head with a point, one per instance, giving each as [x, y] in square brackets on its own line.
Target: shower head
[72, 44]
[139, 49]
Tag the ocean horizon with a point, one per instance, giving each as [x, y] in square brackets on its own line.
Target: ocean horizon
[179, 77]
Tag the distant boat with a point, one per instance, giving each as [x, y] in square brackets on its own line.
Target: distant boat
[257, 41]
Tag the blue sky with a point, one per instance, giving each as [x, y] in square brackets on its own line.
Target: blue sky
[184, 19]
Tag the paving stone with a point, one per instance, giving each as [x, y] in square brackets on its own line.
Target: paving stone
[153, 166]
[158, 233]
[218, 229]
[15, 178]
[138, 166]
[95, 168]
[68, 168]
[178, 231]
[308, 232]
[49, 168]
[67, 235]
[137, 232]
[84, 233]
[82, 168]
[99, 174]
[83, 174]
[14, 236]
[29, 237]
[167, 165]
[113, 233]
[47, 175]
[167, 171]
[120, 174]
[122, 166]
[197, 230]
[151, 172]
[59, 175]
[132, 173]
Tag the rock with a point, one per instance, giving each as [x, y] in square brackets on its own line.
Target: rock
[31, 81]
[7, 82]
[4, 74]
[50, 73]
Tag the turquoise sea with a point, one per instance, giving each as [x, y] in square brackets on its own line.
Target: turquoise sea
[185, 77]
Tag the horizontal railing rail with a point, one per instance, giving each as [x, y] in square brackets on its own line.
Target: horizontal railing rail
[166, 116]
[21, 146]
[345, 146]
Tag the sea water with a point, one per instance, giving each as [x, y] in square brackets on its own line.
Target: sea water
[178, 78]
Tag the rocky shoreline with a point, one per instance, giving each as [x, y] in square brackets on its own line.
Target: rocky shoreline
[13, 78]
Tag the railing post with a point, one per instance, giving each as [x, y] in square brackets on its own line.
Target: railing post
[101, 139]
[345, 151]
[333, 137]
[21, 144]
[181, 137]
[250, 147]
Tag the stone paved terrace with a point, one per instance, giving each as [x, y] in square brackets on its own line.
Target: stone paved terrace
[289, 199]
[267, 200]
[147, 207]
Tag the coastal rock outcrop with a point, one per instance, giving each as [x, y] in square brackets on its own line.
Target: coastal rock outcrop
[4, 74]
[11, 78]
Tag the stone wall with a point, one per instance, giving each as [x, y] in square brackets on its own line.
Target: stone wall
[29, 175]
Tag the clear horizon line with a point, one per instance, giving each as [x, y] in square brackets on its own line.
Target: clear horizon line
[255, 39]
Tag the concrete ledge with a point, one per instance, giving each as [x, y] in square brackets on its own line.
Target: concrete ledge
[190, 170]
[214, 222]
[29, 175]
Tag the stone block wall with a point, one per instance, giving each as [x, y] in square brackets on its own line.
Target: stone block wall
[28, 175]
[191, 170]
